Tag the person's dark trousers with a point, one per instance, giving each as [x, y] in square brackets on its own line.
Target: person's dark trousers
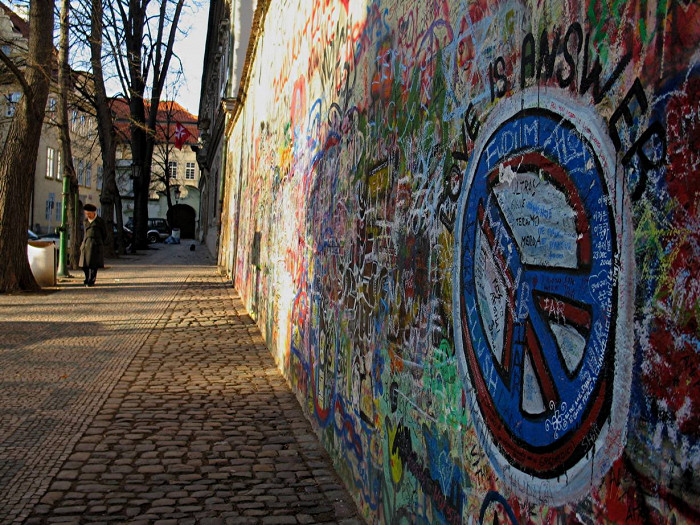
[90, 275]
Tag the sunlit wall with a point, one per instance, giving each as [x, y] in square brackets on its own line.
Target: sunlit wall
[469, 232]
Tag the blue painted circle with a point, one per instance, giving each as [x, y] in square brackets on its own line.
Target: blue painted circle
[592, 285]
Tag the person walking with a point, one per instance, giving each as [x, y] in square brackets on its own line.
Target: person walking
[92, 248]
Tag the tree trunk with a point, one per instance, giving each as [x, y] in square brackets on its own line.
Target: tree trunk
[64, 135]
[19, 153]
[142, 184]
[138, 144]
[121, 241]
[109, 197]
[142, 129]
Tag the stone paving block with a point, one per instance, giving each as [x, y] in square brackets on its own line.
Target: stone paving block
[73, 510]
[211, 521]
[279, 520]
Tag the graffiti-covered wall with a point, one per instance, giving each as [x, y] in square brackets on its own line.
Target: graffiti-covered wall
[470, 232]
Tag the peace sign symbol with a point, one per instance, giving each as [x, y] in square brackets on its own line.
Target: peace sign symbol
[536, 293]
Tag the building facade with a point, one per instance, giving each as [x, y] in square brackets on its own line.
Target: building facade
[174, 169]
[470, 233]
[225, 62]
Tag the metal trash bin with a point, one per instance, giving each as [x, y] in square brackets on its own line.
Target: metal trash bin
[42, 261]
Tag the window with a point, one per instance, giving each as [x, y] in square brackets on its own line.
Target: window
[81, 172]
[88, 175]
[50, 153]
[223, 65]
[100, 177]
[59, 165]
[58, 211]
[74, 120]
[189, 171]
[51, 105]
[172, 169]
[50, 202]
[11, 100]
[7, 49]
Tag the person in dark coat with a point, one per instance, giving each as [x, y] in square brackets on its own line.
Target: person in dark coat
[92, 249]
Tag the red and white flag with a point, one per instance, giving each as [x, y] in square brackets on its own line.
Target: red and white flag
[181, 135]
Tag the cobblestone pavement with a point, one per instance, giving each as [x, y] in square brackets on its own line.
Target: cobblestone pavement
[151, 398]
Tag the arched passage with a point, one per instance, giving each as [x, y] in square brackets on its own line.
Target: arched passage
[183, 216]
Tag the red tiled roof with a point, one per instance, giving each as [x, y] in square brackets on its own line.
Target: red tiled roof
[21, 25]
[168, 110]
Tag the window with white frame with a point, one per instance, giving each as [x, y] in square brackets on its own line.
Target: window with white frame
[50, 154]
[51, 105]
[11, 100]
[172, 169]
[189, 171]
[59, 204]
[81, 172]
[88, 175]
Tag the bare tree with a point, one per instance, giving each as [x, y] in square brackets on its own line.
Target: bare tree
[96, 40]
[148, 38]
[162, 153]
[64, 83]
[110, 197]
[19, 152]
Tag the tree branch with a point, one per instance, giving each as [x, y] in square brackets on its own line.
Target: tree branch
[169, 48]
[19, 75]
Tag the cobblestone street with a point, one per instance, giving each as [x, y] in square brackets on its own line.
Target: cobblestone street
[151, 398]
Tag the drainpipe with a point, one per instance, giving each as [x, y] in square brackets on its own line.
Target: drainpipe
[220, 196]
[63, 235]
[234, 264]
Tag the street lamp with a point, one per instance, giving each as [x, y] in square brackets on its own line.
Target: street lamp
[177, 194]
[135, 171]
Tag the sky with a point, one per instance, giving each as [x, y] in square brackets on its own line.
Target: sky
[190, 49]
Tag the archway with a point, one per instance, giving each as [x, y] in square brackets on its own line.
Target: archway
[183, 217]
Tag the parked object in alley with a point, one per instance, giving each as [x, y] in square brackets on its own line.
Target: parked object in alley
[174, 238]
[158, 229]
[42, 261]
